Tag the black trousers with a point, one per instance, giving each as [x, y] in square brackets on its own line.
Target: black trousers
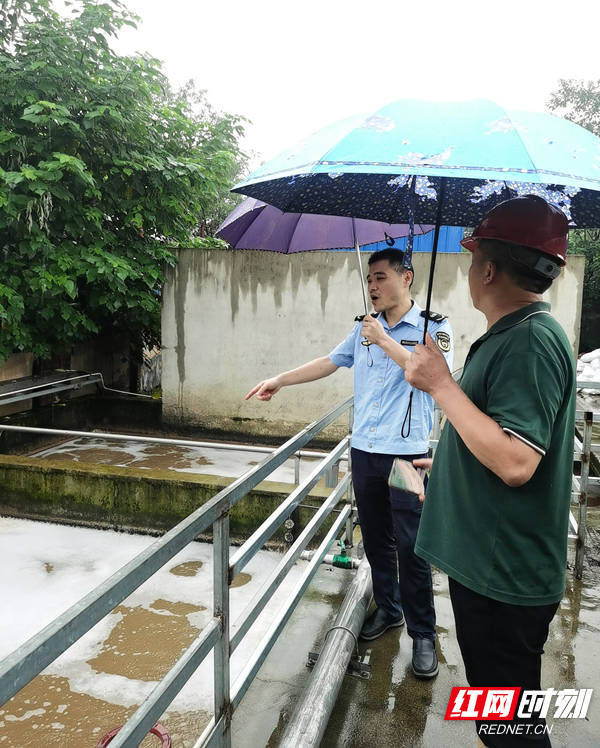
[389, 520]
[502, 645]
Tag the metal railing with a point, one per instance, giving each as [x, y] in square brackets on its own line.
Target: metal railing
[33, 656]
[581, 485]
[50, 384]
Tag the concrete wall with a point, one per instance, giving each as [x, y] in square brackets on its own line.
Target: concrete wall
[231, 319]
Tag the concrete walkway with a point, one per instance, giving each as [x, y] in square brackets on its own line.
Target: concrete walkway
[393, 709]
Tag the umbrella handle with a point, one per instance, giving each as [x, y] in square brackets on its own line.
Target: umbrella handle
[359, 318]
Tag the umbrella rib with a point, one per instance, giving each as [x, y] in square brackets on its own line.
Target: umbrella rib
[293, 231]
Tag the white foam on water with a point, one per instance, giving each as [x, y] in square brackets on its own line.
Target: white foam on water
[200, 460]
[47, 568]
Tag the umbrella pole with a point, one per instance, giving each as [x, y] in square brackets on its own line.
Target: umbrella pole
[436, 236]
[362, 284]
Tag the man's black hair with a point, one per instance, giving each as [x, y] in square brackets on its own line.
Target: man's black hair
[518, 262]
[395, 258]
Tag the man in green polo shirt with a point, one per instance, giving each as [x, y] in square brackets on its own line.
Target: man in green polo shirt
[496, 511]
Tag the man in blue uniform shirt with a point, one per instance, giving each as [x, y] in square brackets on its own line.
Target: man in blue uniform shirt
[390, 420]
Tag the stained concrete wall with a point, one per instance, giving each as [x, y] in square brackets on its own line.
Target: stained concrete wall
[231, 319]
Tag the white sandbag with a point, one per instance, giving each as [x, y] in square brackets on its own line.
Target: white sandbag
[588, 357]
[588, 373]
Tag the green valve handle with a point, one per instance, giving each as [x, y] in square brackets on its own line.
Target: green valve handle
[342, 560]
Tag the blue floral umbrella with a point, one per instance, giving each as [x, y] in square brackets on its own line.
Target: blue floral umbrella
[441, 163]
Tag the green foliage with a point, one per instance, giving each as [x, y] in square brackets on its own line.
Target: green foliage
[103, 169]
[579, 101]
[587, 243]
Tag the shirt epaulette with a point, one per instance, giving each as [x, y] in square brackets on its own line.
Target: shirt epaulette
[434, 316]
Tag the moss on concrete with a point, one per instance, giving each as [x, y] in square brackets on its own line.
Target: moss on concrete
[133, 498]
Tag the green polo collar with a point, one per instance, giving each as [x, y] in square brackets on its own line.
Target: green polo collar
[512, 319]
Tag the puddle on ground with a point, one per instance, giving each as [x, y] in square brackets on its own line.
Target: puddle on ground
[47, 713]
[188, 569]
[128, 651]
[241, 579]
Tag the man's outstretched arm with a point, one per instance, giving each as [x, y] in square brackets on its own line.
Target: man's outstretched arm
[316, 369]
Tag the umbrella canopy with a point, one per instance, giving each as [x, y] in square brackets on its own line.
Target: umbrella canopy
[475, 153]
[256, 225]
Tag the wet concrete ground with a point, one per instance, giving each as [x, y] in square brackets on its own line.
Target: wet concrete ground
[394, 709]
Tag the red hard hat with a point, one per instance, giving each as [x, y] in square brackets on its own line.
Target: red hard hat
[529, 221]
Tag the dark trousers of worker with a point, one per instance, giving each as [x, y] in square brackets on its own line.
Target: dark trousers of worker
[389, 521]
[502, 645]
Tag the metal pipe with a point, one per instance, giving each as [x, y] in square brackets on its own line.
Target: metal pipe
[329, 558]
[311, 715]
[153, 440]
[583, 484]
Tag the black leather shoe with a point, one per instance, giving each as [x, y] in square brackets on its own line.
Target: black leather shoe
[424, 659]
[378, 623]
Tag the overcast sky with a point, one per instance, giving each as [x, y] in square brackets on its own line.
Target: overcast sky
[293, 67]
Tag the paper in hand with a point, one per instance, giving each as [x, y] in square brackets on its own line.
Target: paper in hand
[405, 477]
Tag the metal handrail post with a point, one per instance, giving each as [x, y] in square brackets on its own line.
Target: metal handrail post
[586, 447]
[349, 534]
[350, 495]
[222, 701]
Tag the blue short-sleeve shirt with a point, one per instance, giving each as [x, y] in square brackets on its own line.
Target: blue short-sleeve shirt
[381, 393]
